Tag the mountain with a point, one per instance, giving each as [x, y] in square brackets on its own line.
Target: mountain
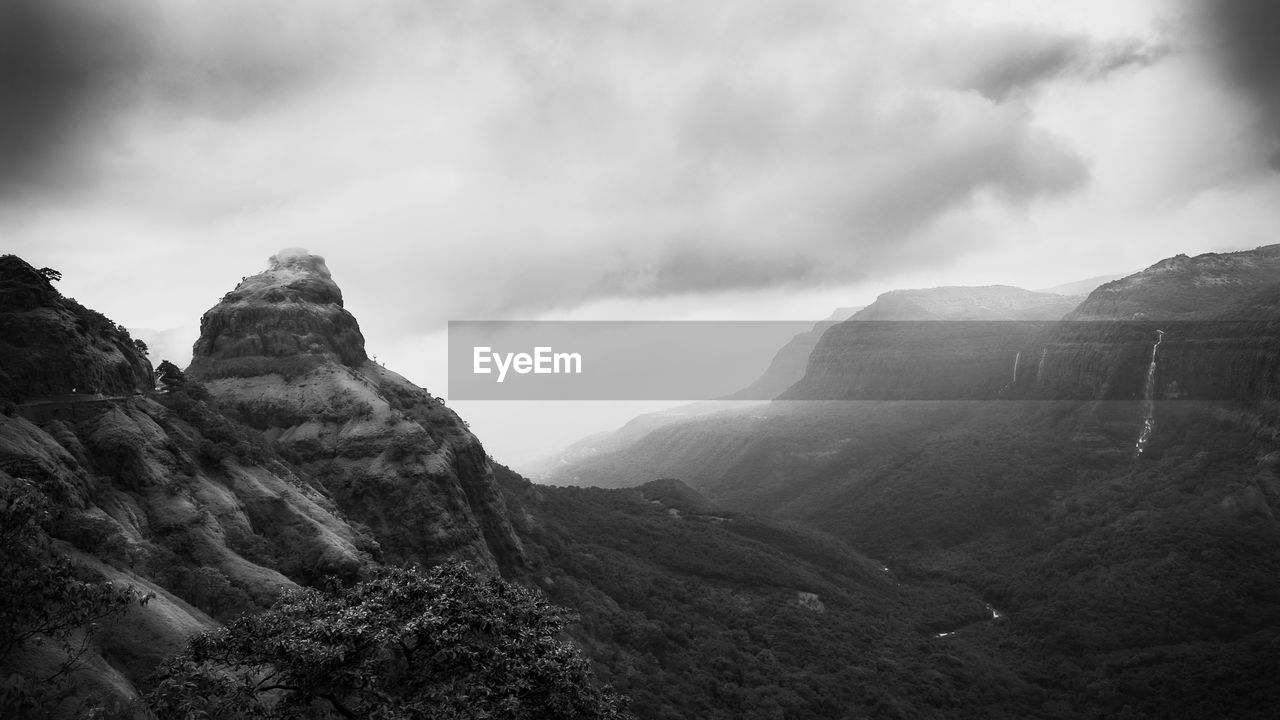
[52, 345]
[159, 492]
[1080, 287]
[1029, 560]
[941, 343]
[789, 363]
[911, 336]
[956, 304]
[1120, 513]
[208, 502]
[307, 462]
[786, 367]
[281, 354]
[1211, 286]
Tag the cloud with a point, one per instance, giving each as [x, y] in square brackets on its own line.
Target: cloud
[76, 75]
[1009, 62]
[512, 157]
[1242, 37]
[55, 56]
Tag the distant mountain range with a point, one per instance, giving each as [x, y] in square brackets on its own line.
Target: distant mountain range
[1110, 483]
[1015, 552]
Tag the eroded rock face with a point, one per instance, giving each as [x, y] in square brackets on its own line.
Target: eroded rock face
[287, 319]
[282, 354]
[158, 492]
[176, 502]
[947, 343]
[1218, 316]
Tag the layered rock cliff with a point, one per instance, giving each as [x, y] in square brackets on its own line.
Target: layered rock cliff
[937, 344]
[1218, 317]
[282, 354]
[1218, 320]
[158, 492]
[791, 360]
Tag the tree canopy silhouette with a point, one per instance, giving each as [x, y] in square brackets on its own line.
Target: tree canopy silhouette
[403, 644]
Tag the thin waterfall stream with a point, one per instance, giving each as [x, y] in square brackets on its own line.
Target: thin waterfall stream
[1148, 397]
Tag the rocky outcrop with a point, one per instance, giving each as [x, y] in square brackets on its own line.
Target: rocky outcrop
[165, 493]
[287, 319]
[51, 345]
[282, 354]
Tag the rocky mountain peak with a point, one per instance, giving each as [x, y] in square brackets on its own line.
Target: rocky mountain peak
[281, 354]
[285, 319]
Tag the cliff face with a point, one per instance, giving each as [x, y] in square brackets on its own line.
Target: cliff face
[788, 365]
[161, 493]
[51, 345]
[1217, 317]
[937, 344]
[282, 354]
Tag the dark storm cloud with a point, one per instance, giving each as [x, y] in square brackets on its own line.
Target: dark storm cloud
[56, 59]
[75, 74]
[1245, 38]
[569, 153]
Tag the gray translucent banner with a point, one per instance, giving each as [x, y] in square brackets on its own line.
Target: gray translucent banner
[606, 360]
[863, 360]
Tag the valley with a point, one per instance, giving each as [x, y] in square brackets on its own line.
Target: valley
[839, 551]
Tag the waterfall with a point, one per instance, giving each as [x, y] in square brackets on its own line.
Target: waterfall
[1016, 358]
[1148, 397]
[1040, 365]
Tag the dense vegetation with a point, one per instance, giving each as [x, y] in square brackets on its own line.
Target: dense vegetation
[697, 613]
[44, 598]
[402, 644]
[1122, 576]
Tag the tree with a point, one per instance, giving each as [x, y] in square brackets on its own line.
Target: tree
[402, 644]
[50, 274]
[42, 595]
[170, 376]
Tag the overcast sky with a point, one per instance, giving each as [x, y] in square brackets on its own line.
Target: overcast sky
[597, 159]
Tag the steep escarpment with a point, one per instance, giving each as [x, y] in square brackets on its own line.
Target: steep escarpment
[283, 355]
[51, 345]
[1217, 319]
[789, 364]
[938, 344]
[1215, 316]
